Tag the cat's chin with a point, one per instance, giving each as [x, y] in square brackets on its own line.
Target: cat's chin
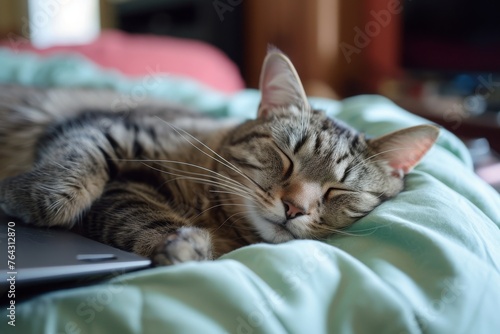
[270, 231]
[275, 233]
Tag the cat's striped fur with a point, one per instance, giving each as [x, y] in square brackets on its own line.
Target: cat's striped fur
[173, 185]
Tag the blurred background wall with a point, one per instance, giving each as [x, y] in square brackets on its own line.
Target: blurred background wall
[308, 31]
[340, 48]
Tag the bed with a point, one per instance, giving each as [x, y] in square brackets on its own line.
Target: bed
[427, 261]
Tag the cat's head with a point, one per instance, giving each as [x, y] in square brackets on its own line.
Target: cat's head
[307, 175]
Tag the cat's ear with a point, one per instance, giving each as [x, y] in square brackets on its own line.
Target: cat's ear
[402, 150]
[279, 83]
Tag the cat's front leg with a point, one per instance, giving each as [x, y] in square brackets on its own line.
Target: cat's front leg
[50, 198]
[58, 190]
[136, 217]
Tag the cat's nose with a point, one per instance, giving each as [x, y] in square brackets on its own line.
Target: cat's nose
[293, 211]
[298, 198]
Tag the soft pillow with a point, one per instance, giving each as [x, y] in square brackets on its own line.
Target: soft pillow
[145, 55]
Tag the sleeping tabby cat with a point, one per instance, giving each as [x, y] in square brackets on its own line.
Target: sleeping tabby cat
[176, 186]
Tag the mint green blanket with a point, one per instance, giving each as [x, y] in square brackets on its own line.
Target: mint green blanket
[426, 261]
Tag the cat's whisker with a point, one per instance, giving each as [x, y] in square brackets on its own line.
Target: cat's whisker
[222, 160]
[242, 190]
[206, 182]
[374, 228]
[382, 194]
[342, 232]
[221, 205]
[242, 227]
[228, 218]
[187, 178]
[231, 216]
[240, 193]
[216, 175]
[213, 183]
[230, 193]
[200, 180]
[238, 185]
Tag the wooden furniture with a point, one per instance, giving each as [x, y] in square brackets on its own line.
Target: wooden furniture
[309, 32]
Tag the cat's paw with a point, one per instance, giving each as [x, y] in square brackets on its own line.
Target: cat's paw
[186, 244]
[41, 202]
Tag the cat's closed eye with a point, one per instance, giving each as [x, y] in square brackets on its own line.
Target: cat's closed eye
[288, 165]
[336, 191]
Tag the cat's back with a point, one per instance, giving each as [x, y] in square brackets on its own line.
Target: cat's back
[29, 115]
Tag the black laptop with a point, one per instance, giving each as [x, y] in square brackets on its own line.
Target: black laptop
[31, 255]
